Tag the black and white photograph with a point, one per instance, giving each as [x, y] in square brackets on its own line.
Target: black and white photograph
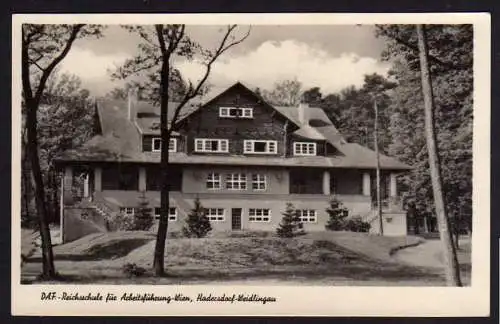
[322, 154]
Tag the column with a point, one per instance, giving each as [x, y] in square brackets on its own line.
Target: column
[97, 179]
[366, 184]
[393, 189]
[86, 188]
[68, 185]
[142, 179]
[326, 182]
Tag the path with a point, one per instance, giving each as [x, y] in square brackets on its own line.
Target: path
[426, 254]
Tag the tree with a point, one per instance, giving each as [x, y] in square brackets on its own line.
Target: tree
[43, 47]
[337, 215]
[450, 256]
[197, 224]
[160, 45]
[143, 217]
[290, 225]
[313, 97]
[285, 93]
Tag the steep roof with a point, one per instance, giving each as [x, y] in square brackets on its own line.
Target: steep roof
[121, 140]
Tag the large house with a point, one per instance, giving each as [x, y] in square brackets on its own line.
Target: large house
[242, 157]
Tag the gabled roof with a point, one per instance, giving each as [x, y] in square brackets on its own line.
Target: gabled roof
[121, 139]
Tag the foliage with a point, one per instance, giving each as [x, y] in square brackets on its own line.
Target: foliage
[133, 270]
[120, 222]
[451, 54]
[284, 93]
[356, 224]
[143, 216]
[337, 215]
[290, 225]
[197, 223]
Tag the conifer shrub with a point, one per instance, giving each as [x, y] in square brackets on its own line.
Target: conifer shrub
[337, 216]
[290, 225]
[197, 223]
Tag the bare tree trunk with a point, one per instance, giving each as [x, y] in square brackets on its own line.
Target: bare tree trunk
[379, 200]
[32, 146]
[450, 256]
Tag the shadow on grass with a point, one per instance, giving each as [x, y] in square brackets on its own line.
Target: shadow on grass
[112, 250]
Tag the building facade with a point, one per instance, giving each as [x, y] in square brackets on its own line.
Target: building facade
[242, 157]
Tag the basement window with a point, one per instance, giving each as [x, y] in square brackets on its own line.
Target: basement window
[259, 215]
[215, 214]
[307, 215]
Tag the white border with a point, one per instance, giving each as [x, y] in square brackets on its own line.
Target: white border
[292, 300]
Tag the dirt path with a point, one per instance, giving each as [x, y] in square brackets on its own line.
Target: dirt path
[427, 254]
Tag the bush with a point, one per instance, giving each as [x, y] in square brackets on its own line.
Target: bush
[290, 225]
[143, 215]
[197, 223]
[337, 216]
[133, 270]
[119, 222]
[356, 224]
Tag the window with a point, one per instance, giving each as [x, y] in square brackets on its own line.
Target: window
[259, 215]
[215, 214]
[211, 145]
[235, 112]
[307, 215]
[304, 148]
[259, 182]
[172, 213]
[129, 211]
[260, 147]
[213, 181]
[156, 145]
[236, 181]
[120, 177]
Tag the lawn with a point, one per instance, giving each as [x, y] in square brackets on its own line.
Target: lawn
[332, 258]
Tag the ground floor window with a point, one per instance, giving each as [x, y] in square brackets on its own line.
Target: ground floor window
[259, 214]
[215, 214]
[172, 213]
[307, 215]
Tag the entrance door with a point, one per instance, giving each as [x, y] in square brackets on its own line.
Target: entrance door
[236, 219]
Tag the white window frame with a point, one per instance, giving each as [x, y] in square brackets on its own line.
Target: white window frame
[236, 181]
[308, 215]
[172, 145]
[172, 217]
[214, 178]
[200, 145]
[129, 211]
[249, 146]
[213, 214]
[259, 179]
[259, 215]
[305, 148]
[244, 112]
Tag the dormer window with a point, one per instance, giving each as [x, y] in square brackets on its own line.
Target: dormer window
[211, 145]
[156, 144]
[304, 148]
[235, 112]
[260, 147]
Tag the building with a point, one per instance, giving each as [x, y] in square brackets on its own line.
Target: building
[243, 158]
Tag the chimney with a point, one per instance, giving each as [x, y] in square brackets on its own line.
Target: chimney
[303, 112]
[132, 102]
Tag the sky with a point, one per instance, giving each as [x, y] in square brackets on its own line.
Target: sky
[331, 57]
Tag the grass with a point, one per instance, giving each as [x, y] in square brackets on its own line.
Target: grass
[318, 258]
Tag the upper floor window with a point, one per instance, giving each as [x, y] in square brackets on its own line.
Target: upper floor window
[235, 112]
[307, 215]
[259, 182]
[156, 144]
[211, 145]
[236, 181]
[172, 213]
[213, 181]
[304, 148]
[260, 147]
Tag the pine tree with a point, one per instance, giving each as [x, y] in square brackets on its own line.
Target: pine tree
[290, 225]
[197, 224]
[143, 217]
[337, 214]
